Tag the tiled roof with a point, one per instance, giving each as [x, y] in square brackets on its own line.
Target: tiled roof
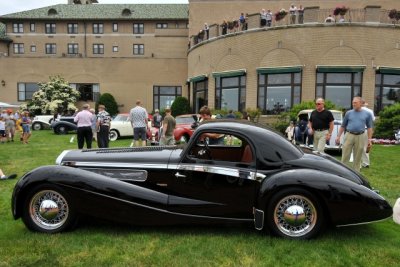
[104, 12]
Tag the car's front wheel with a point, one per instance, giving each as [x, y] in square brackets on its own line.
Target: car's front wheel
[37, 126]
[48, 209]
[295, 213]
[113, 135]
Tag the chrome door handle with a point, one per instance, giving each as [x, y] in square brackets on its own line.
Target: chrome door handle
[178, 175]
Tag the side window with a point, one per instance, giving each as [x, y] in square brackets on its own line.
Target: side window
[222, 147]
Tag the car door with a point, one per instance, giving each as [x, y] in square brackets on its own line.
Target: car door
[125, 126]
[222, 184]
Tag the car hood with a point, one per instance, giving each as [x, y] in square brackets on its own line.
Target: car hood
[119, 156]
[326, 163]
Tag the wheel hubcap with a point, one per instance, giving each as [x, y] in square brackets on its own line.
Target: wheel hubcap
[49, 209]
[295, 215]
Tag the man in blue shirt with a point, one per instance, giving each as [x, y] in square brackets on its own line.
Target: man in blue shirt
[354, 123]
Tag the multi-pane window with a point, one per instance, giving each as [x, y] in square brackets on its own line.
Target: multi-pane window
[115, 27]
[138, 28]
[32, 27]
[98, 28]
[19, 48]
[164, 96]
[72, 28]
[73, 49]
[98, 48]
[26, 90]
[51, 48]
[89, 92]
[200, 95]
[18, 27]
[387, 90]
[50, 28]
[339, 88]
[278, 92]
[161, 25]
[230, 93]
[33, 48]
[138, 49]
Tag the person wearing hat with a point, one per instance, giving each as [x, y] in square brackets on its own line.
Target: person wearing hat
[84, 122]
[157, 119]
[103, 127]
[10, 125]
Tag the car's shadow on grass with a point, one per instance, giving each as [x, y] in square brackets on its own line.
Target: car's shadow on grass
[225, 230]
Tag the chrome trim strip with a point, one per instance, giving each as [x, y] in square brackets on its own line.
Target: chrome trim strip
[355, 224]
[239, 173]
[61, 156]
[120, 165]
[164, 211]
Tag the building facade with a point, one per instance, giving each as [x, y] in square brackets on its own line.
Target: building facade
[158, 52]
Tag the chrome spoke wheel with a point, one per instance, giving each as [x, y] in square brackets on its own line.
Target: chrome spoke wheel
[295, 216]
[48, 209]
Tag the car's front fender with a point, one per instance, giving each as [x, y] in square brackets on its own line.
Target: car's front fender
[344, 201]
[85, 186]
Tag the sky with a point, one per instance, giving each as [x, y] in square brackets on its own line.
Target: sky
[12, 6]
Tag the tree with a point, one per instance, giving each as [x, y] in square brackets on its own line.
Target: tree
[389, 120]
[109, 102]
[180, 106]
[54, 96]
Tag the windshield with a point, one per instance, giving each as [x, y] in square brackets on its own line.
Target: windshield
[120, 118]
[184, 120]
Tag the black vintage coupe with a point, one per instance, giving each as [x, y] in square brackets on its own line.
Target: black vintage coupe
[254, 176]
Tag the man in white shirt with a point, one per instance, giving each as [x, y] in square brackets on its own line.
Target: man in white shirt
[365, 155]
[292, 12]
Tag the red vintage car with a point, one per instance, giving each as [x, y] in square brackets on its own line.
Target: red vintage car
[183, 129]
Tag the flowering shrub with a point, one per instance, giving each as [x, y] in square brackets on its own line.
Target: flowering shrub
[54, 96]
[281, 14]
[394, 14]
[385, 141]
[340, 10]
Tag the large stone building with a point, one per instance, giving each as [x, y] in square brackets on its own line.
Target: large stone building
[155, 53]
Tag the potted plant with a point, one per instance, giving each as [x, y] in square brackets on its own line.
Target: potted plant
[281, 14]
[394, 15]
[340, 10]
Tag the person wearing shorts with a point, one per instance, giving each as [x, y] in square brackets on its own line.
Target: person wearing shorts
[138, 117]
[26, 129]
[2, 130]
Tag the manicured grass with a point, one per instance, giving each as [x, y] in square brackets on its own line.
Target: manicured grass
[107, 244]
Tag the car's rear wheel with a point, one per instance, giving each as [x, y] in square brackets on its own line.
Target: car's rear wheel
[48, 209]
[37, 126]
[113, 135]
[61, 129]
[295, 213]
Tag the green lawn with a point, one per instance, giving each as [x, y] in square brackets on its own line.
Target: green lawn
[106, 244]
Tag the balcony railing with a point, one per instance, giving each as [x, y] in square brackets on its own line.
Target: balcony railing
[312, 15]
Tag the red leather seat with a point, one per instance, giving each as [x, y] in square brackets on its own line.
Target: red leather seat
[247, 156]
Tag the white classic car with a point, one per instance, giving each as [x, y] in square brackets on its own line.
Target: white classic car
[41, 122]
[338, 118]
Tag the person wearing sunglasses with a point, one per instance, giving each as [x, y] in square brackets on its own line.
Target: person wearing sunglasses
[320, 125]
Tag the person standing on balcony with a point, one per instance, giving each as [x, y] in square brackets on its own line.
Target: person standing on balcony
[269, 18]
[263, 18]
[224, 27]
[292, 12]
[207, 30]
[300, 12]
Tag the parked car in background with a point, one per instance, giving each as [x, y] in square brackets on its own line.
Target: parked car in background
[121, 127]
[41, 122]
[64, 125]
[261, 180]
[338, 118]
[183, 129]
